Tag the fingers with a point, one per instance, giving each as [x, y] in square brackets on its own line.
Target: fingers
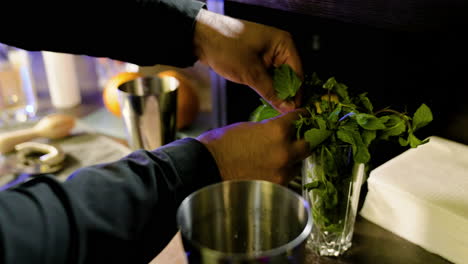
[293, 58]
[286, 53]
[301, 149]
[262, 82]
[294, 61]
[282, 50]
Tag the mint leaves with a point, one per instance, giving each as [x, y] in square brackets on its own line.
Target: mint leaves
[422, 117]
[350, 120]
[265, 111]
[286, 82]
[316, 136]
[340, 128]
[369, 122]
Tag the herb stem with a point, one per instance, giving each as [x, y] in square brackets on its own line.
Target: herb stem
[401, 115]
[387, 110]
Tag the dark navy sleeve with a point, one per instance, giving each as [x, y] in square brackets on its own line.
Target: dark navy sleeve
[121, 212]
[144, 32]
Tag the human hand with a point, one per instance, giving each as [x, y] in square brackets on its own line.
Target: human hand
[243, 51]
[265, 150]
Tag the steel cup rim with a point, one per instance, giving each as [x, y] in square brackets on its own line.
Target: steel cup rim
[121, 87]
[246, 256]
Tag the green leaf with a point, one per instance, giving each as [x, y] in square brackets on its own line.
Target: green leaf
[334, 228]
[413, 140]
[369, 122]
[328, 162]
[319, 216]
[335, 114]
[286, 82]
[422, 117]
[362, 155]
[347, 136]
[384, 119]
[366, 102]
[360, 151]
[265, 111]
[395, 127]
[316, 184]
[392, 120]
[342, 91]
[403, 142]
[321, 123]
[350, 124]
[325, 106]
[316, 136]
[332, 196]
[319, 172]
[368, 136]
[329, 84]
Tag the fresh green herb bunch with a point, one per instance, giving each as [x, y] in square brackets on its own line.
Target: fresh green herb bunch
[335, 117]
[339, 128]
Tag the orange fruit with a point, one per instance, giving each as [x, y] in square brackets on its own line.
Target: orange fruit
[110, 95]
[188, 104]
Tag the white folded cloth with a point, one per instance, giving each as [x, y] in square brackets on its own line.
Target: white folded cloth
[422, 196]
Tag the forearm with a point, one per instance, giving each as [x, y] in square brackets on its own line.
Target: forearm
[122, 212]
[142, 32]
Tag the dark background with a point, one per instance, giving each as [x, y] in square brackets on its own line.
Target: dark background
[402, 55]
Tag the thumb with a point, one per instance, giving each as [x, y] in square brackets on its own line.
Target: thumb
[262, 83]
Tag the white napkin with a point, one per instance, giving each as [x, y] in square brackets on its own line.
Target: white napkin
[422, 196]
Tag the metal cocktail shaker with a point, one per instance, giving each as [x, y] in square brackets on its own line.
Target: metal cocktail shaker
[244, 222]
[149, 110]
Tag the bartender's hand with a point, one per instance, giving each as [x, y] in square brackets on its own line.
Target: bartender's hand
[243, 51]
[267, 150]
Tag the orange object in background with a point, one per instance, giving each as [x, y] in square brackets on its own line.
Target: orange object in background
[110, 95]
[188, 104]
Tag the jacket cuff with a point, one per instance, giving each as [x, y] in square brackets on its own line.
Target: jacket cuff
[194, 165]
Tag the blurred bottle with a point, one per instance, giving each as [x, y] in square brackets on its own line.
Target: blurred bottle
[18, 101]
[62, 79]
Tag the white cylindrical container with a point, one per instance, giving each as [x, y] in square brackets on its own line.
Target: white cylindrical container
[62, 78]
